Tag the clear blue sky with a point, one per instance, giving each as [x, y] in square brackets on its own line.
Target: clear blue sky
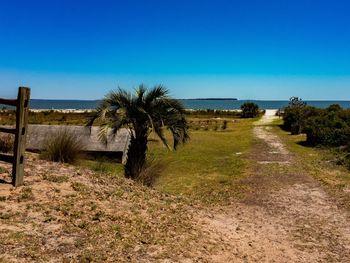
[197, 48]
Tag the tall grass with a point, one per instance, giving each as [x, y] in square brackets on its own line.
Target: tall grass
[63, 146]
[151, 171]
[6, 143]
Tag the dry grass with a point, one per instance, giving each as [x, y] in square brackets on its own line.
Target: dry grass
[6, 143]
[63, 146]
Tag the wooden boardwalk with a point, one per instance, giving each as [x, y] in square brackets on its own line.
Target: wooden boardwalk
[38, 134]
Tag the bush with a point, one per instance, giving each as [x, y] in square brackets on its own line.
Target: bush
[6, 143]
[331, 127]
[328, 127]
[63, 146]
[293, 116]
[249, 110]
[324, 127]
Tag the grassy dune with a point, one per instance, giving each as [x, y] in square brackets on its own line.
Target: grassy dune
[64, 213]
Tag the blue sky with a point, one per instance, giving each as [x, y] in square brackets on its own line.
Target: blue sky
[244, 48]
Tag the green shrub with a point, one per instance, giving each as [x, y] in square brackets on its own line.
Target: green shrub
[6, 143]
[63, 146]
[56, 178]
[249, 110]
[294, 115]
[324, 127]
[331, 127]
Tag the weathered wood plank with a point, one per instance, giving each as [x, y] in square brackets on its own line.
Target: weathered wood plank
[8, 102]
[39, 134]
[8, 130]
[20, 136]
[6, 158]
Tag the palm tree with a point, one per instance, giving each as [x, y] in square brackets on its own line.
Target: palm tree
[144, 112]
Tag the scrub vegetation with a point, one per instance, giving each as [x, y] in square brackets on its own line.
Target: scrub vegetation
[328, 128]
[63, 146]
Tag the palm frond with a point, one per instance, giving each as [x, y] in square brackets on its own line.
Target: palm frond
[99, 115]
[178, 126]
[140, 94]
[157, 92]
[158, 129]
[167, 112]
[141, 113]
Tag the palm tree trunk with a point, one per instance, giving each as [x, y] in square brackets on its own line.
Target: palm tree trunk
[136, 157]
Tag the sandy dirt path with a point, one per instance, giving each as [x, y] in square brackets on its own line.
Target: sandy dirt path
[286, 217]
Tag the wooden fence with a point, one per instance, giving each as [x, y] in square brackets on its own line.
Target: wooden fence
[20, 131]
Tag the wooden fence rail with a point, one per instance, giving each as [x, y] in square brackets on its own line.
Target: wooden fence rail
[20, 132]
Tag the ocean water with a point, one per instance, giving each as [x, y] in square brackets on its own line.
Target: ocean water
[189, 104]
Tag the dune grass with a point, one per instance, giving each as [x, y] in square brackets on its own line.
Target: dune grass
[6, 143]
[63, 146]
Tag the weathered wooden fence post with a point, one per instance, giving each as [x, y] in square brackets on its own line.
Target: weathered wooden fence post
[20, 132]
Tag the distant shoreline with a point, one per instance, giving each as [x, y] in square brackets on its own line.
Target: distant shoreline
[195, 104]
[234, 99]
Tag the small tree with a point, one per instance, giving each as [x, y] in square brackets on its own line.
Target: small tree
[144, 112]
[294, 115]
[296, 102]
[249, 110]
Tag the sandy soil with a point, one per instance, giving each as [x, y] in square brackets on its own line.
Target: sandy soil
[286, 217]
[64, 213]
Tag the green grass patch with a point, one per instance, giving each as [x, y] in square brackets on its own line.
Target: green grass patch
[2, 170]
[26, 194]
[79, 187]
[56, 178]
[103, 166]
[208, 167]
